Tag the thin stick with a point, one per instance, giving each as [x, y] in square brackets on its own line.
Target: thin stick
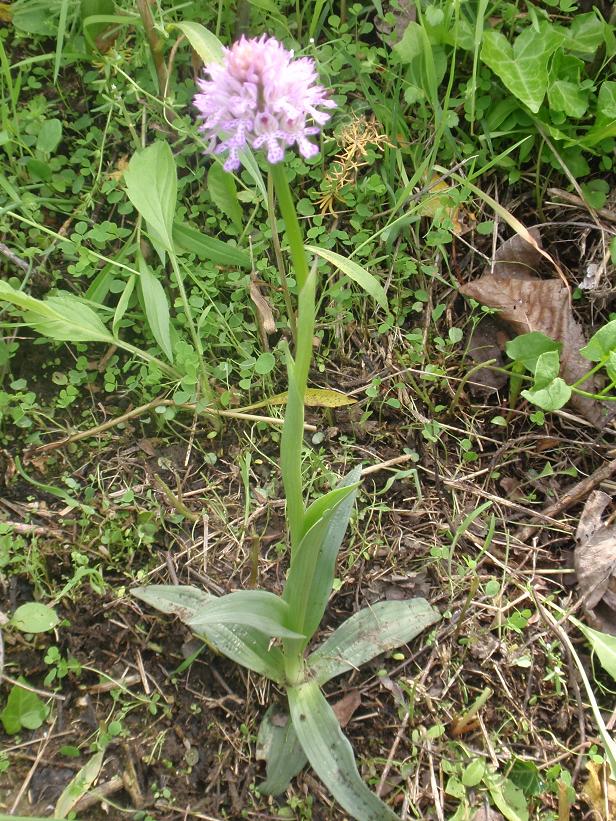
[32, 770]
[12, 256]
[30, 689]
[397, 460]
[139, 411]
[578, 492]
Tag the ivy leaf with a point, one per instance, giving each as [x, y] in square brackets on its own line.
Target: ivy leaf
[523, 66]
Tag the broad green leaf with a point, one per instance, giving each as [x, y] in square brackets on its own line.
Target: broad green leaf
[49, 136]
[549, 391]
[122, 305]
[79, 785]
[508, 798]
[603, 644]
[551, 397]
[249, 647]
[192, 241]
[547, 368]
[91, 8]
[207, 45]
[600, 345]
[222, 189]
[311, 575]
[329, 500]
[523, 67]
[258, 609]
[151, 185]
[586, 33]
[331, 755]
[367, 281]
[180, 600]
[34, 617]
[368, 633]
[527, 348]
[278, 745]
[300, 589]
[244, 645]
[568, 97]
[606, 101]
[156, 306]
[23, 710]
[63, 317]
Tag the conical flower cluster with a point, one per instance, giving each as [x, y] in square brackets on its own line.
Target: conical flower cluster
[261, 96]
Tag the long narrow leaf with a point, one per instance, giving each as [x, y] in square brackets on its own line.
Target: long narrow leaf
[151, 185]
[156, 306]
[79, 785]
[122, 305]
[299, 587]
[324, 503]
[369, 633]
[207, 45]
[222, 189]
[258, 609]
[311, 575]
[63, 317]
[367, 281]
[190, 240]
[331, 755]
[244, 645]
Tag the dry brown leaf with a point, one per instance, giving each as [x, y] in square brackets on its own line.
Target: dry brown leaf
[600, 792]
[595, 563]
[527, 303]
[263, 310]
[517, 258]
[485, 344]
[345, 708]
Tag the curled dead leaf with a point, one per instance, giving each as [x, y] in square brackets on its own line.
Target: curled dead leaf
[346, 707]
[263, 310]
[594, 560]
[600, 792]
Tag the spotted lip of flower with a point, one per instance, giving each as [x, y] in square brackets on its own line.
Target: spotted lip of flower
[261, 96]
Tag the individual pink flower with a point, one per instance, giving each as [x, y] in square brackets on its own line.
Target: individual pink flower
[260, 96]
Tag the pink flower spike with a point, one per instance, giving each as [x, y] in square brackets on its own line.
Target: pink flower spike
[260, 96]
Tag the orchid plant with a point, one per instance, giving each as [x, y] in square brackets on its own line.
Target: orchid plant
[258, 96]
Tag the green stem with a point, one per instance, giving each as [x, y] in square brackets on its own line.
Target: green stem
[271, 213]
[293, 231]
[192, 329]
